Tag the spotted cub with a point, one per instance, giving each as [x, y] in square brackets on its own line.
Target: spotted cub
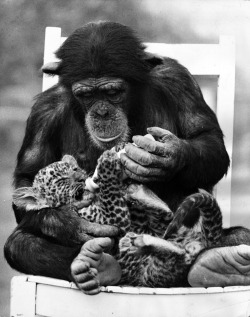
[63, 183]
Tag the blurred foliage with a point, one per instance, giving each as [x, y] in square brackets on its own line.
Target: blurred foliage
[23, 23]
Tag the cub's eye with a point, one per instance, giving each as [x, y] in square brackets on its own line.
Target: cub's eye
[79, 194]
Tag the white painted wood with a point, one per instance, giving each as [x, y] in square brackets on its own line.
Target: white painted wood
[51, 44]
[23, 297]
[50, 281]
[56, 298]
[225, 115]
[201, 60]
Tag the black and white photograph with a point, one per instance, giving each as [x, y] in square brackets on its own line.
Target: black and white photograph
[125, 158]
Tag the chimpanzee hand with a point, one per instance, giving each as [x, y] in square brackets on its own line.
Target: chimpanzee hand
[64, 225]
[154, 160]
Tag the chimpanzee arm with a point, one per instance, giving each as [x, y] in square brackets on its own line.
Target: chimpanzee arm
[193, 153]
[28, 249]
[204, 158]
[38, 255]
[42, 141]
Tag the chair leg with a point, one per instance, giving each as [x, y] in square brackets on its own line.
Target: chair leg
[23, 297]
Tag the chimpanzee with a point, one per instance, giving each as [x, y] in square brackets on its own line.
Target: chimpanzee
[112, 91]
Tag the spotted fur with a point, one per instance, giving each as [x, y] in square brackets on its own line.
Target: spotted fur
[63, 182]
[109, 205]
[154, 250]
[60, 183]
[165, 262]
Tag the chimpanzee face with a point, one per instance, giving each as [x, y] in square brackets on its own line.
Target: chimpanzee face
[102, 64]
[104, 101]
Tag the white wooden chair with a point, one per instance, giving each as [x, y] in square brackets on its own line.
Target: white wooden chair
[40, 296]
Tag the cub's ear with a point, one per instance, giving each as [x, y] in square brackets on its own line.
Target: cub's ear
[26, 198]
[71, 160]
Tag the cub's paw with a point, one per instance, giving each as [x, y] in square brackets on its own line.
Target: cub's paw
[126, 243]
[109, 166]
[133, 243]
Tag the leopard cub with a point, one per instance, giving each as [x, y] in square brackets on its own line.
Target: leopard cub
[63, 183]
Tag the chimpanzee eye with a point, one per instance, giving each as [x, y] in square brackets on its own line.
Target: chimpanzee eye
[114, 95]
[112, 92]
[87, 94]
[80, 93]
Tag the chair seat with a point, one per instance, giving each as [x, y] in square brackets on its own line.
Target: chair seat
[42, 296]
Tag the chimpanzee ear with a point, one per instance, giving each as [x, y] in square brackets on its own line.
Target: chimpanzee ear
[71, 160]
[26, 198]
[51, 68]
[153, 59]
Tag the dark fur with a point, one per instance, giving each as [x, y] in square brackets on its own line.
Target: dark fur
[162, 93]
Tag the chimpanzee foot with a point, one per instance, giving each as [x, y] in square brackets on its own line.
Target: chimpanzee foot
[93, 268]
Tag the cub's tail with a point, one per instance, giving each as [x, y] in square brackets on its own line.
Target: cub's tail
[201, 207]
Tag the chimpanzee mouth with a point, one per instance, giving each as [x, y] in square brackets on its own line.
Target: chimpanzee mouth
[106, 140]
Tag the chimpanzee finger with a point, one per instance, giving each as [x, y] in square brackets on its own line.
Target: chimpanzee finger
[145, 179]
[140, 179]
[156, 147]
[145, 158]
[162, 134]
[97, 229]
[138, 169]
[136, 155]
[144, 142]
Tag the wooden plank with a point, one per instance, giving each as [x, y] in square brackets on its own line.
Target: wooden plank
[51, 281]
[200, 59]
[58, 301]
[23, 297]
[33, 296]
[225, 114]
[51, 44]
[240, 309]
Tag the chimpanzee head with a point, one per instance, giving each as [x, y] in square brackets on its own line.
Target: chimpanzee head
[99, 64]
